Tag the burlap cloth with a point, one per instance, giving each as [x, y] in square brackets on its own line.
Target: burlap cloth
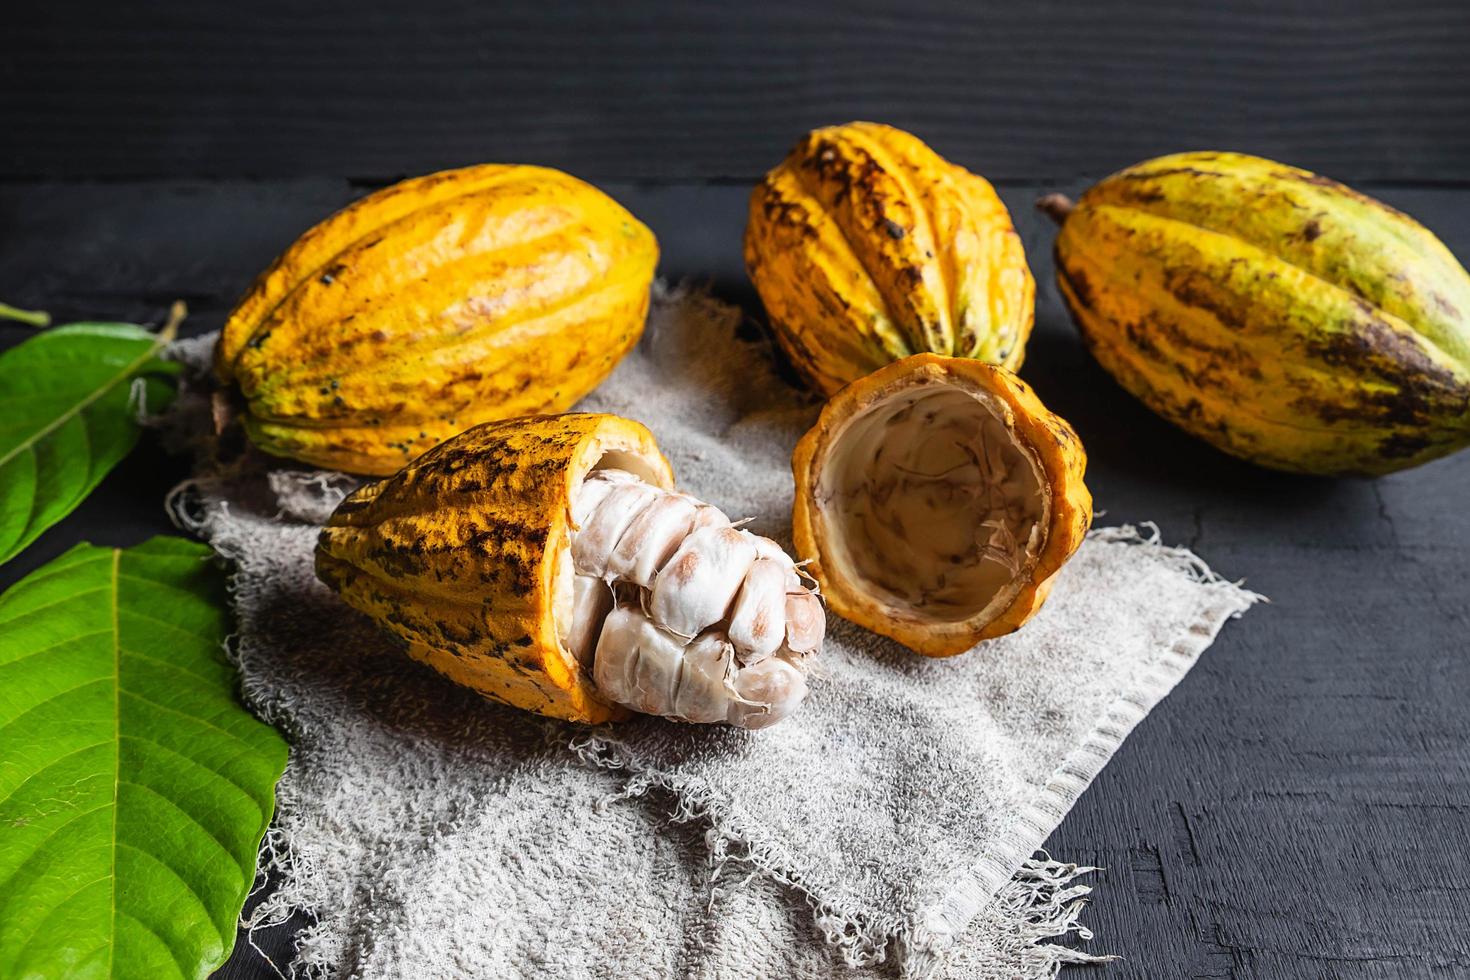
[889, 828]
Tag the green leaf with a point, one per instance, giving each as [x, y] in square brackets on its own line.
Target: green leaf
[134, 789]
[69, 418]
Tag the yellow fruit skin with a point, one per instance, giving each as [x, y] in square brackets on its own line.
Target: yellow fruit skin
[459, 554]
[867, 246]
[1279, 315]
[1053, 444]
[433, 305]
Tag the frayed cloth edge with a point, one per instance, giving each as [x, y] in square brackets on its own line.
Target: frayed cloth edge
[859, 939]
[1037, 890]
[920, 945]
[1222, 600]
[1040, 899]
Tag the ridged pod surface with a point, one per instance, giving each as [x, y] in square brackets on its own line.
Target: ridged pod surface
[867, 246]
[433, 305]
[1279, 315]
[547, 563]
[936, 500]
[459, 554]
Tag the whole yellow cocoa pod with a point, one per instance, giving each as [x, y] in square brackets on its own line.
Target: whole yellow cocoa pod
[433, 305]
[867, 246]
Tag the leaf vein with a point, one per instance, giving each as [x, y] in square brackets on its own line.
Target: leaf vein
[84, 403]
[187, 816]
[53, 646]
[172, 952]
[50, 765]
[203, 907]
[45, 701]
[135, 655]
[217, 774]
[195, 718]
[41, 844]
[49, 572]
[41, 932]
[117, 752]
[53, 604]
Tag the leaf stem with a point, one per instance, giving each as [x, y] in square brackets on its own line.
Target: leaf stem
[36, 318]
[176, 314]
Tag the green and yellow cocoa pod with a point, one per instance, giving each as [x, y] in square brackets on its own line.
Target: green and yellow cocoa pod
[1280, 316]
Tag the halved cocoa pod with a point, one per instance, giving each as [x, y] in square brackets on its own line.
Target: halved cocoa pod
[547, 563]
[935, 500]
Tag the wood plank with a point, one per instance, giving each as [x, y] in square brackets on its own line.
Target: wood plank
[1298, 807]
[703, 89]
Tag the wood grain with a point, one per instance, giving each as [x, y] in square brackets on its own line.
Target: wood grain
[704, 89]
[1299, 807]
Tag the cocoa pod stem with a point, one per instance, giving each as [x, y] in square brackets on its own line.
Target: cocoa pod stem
[1055, 206]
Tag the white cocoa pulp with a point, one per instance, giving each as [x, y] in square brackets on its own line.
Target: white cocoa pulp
[675, 611]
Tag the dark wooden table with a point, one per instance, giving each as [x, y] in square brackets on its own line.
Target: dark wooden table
[1300, 806]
